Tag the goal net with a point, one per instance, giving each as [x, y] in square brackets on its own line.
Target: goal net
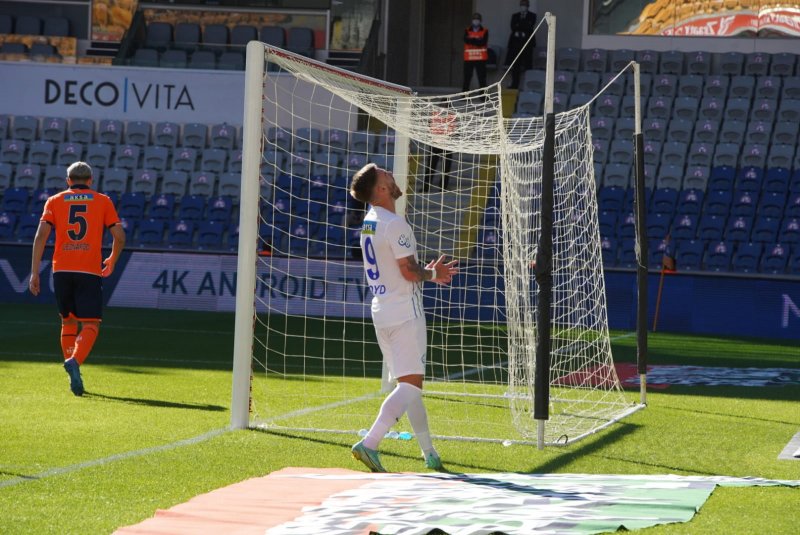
[307, 359]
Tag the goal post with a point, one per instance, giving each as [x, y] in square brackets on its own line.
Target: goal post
[305, 355]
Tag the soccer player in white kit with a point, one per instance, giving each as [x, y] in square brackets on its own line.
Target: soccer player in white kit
[395, 279]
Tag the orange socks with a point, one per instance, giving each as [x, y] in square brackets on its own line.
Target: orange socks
[85, 340]
[68, 333]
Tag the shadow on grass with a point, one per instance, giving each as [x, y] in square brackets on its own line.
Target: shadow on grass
[155, 402]
[728, 415]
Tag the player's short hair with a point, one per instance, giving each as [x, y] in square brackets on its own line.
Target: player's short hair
[364, 182]
[81, 171]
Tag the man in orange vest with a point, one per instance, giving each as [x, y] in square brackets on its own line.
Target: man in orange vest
[476, 51]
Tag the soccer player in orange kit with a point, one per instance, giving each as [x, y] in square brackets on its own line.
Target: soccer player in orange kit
[78, 215]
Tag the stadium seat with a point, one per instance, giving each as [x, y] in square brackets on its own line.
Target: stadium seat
[174, 183]
[758, 132]
[611, 199]
[12, 151]
[27, 226]
[273, 35]
[25, 128]
[232, 239]
[587, 82]
[711, 108]
[6, 174]
[776, 180]
[664, 201]
[602, 127]
[726, 155]
[621, 151]
[180, 234]
[533, 80]
[300, 41]
[674, 153]
[151, 233]
[145, 57]
[54, 129]
[137, 133]
[600, 150]
[764, 109]
[686, 108]
[684, 227]
[718, 256]
[680, 130]
[617, 175]
[718, 202]
[209, 235]
[39, 198]
[690, 85]
[789, 110]
[756, 64]
[184, 159]
[706, 131]
[144, 181]
[737, 109]
[173, 59]
[110, 132]
[689, 255]
[202, 59]
[608, 249]
[192, 207]
[155, 158]
[213, 160]
[658, 226]
[665, 85]
[790, 231]
[162, 207]
[98, 155]
[222, 136]
[194, 136]
[794, 183]
[219, 209]
[690, 201]
[127, 157]
[731, 63]
[697, 177]
[15, 201]
[655, 129]
[131, 205]
[732, 132]
[779, 155]
[711, 227]
[791, 88]
[742, 86]
[606, 105]
[645, 86]
[187, 36]
[41, 152]
[27, 176]
[231, 61]
[782, 64]
[202, 183]
[739, 229]
[234, 161]
[744, 203]
[786, 132]
[594, 60]
[14, 49]
[28, 25]
[166, 134]
[114, 181]
[768, 87]
[700, 154]
[765, 229]
[775, 259]
[746, 257]
[754, 155]
[242, 34]
[8, 223]
[279, 138]
[158, 35]
[619, 59]
[54, 177]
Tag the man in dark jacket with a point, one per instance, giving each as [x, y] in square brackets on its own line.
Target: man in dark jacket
[522, 24]
[476, 51]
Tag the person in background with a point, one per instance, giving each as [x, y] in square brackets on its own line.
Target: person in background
[523, 23]
[476, 51]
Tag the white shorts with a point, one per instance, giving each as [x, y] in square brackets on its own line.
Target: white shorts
[404, 347]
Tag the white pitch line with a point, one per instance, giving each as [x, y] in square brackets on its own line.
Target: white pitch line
[112, 458]
[121, 357]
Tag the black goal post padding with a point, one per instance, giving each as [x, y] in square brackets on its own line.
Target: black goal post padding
[544, 275]
[642, 259]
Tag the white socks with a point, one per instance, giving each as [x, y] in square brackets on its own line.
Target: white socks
[418, 417]
[393, 408]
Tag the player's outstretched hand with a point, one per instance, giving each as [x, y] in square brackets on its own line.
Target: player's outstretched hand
[108, 267]
[444, 270]
[33, 284]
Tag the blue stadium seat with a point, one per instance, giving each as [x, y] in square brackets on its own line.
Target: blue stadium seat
[587, 82]
[789, 110]
[746, 257]
[730, 63]
[158, 35]
[54, 129]
[151, 233]
[772, 204]
[8, 224]
[665, 85]
[664, 201]
[155, 158]
[744, 203]
[706, 131]
[754, 155]
[223, 136]
[726, 155]
[791, 88]
[686, 108]
[626, 228]
[749, 178]
[617, 175]
[300, 41]
[690, 85]
[764, 109]
[187, 36]
[697, 177]
[721, 178]
[25, 128]
[162, 207]
[782, 64]
[563, 81]
[711, 108]
[671, 62]
[718, 202]
[219, 209]
[790, 231]
[793, 204]
[114, 181]
[776, 180]
[608, 249]
[213, 160]
[234, 161]
[711, 227]
[137, 133]
[680, 131]
[131, 205]
[618, 59]
[701, 154]
[689, 254]
[607, 105]
[657, 249]
[645, 83]
[27, 176]
[739, 228]
[209, 235]
[15, 201]
[181, 234]
[765, 229]
[192, 208]
[241, 34]
[232, 239]
[684, 227]
[670, 177]
[607, 222]
[230, 186]
[6, 174]
[718, 256]
[184, 159]
[655, 129]
[41, 152]
[611, 199]
[775, 259]
[273, 35]
[39, 198]
[166, 134]
[27, 226]
[194, 136]
[742, 87]
[627, 255]
[785, 132]
[756, 63]
[144, 181]
[732, 132]
[690, 201]
[658, 225]
[174, 183]
[768, 87]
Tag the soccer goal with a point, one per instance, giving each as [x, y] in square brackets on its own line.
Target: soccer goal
[305, 354]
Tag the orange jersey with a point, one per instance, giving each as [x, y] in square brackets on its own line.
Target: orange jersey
[79, 215]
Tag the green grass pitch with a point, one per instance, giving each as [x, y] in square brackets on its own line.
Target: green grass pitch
[157, 380]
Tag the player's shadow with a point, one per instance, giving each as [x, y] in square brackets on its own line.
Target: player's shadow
[156, 402]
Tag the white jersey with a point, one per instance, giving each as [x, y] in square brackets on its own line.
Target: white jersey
[385, 237]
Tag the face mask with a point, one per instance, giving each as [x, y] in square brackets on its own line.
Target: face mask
[476, 22]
